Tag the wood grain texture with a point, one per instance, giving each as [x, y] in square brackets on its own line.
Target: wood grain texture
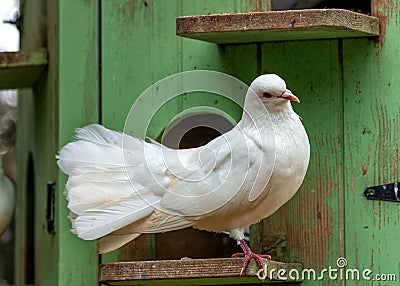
[371, 122]
[73, 39]
[137, 273]
[21, 69]
[277, 26]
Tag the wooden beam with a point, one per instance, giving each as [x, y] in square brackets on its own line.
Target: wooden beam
[215, 271]
[277, 26]
[21, 69]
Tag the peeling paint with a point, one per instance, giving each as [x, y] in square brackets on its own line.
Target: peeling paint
[23, 58]
[384, 10]
[364, 168]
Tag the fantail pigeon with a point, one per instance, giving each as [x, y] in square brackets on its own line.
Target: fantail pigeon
[120, 186]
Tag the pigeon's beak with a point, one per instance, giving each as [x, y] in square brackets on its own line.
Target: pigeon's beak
[289, 96]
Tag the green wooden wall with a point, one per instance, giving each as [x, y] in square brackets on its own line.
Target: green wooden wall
[103, 54]
[350, 105]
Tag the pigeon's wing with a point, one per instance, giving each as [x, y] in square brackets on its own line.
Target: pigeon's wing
[231, 168]
[222, 169]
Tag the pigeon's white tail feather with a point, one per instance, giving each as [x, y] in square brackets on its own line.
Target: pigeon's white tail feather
[97, 146]
[97, 222]
[98, 134]
[99, 190]
[113, 241]
[82, 154]
[96, 174]
[83, 194]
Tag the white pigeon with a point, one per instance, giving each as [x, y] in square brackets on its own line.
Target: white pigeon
[120, 186]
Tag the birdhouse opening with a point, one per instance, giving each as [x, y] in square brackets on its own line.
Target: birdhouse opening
[189, 132]
[353, 5]
[195, 130]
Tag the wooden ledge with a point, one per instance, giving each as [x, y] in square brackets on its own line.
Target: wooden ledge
[277, 26]
[21, 69]
[215, 271]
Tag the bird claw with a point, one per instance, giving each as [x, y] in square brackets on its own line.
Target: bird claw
[248, 254]
[235, 255]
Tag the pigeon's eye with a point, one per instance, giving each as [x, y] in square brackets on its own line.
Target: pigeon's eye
[267, 94]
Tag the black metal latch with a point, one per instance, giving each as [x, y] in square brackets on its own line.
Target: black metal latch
[387, 192]
[51, 207]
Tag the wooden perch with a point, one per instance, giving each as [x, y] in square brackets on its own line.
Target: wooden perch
[21, 69]
[277, 26]
[215, 271]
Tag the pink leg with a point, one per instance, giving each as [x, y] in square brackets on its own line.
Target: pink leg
[248, 254]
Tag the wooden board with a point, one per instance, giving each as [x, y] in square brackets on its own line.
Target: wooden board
[371, 122]
[217, 271]
[21, 69]
[75, 56]
[277, 26]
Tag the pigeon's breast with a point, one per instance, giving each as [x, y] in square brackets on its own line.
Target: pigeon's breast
[292, 154]
[292, 157]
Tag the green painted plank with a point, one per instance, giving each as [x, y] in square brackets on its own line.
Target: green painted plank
[25, 130]
[198, 55]
[74, 76]
[129, 71]
[46, 246]
[166, 61]
[151, 52]
[21, 69]
[372, 108]
[277, 26]
[37, 251]
[309, 228]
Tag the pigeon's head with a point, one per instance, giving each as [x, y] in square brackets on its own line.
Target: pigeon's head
[271, 89]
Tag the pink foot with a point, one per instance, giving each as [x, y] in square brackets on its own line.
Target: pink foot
[248, 254]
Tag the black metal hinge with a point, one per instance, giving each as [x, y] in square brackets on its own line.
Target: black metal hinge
[388, 192]
[50, 211]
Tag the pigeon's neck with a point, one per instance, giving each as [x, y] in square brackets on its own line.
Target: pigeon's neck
[258, 113]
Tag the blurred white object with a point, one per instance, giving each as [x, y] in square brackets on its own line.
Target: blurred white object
[9, 42]
[9, 34]
[7, 201]
[8, 121]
